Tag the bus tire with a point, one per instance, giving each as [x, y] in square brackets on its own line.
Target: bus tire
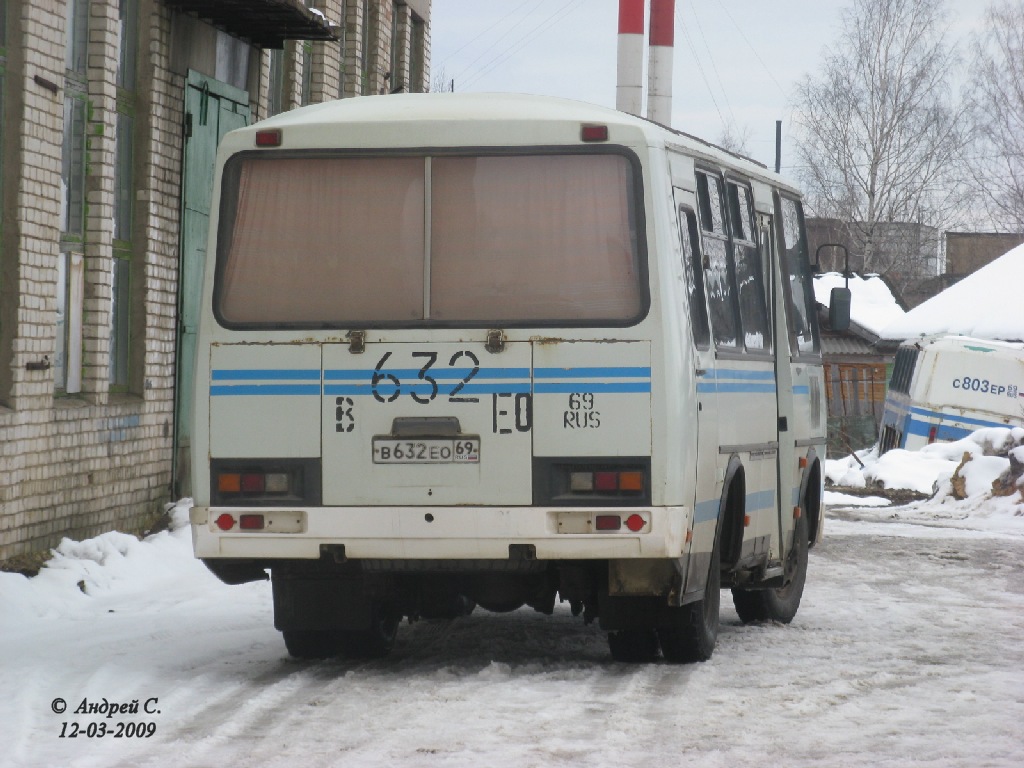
[310, 643]
[778, 604]
[633, 646]
[692, 630]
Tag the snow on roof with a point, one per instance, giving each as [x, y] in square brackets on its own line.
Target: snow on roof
[986, 304]
[872, 305]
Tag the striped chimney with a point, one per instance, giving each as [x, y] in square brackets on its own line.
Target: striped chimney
[629, 91]
[659, 64]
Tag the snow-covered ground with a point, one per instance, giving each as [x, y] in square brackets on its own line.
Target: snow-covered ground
[907, 651]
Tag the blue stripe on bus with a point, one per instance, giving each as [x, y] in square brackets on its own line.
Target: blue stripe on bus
[265, 389]
[801, 389]
[265, 374]
[728, 373]
[386, 389]
[735, 388]
[942, 431]
[981, 423]
[705, 511]
[760, 500]
[592, 373]
[454, 374]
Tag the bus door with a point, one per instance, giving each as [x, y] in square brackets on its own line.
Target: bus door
[789, 471]
[708, 483]
[744, 365]
[806, 423]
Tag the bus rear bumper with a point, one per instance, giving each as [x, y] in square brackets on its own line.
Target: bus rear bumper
[441, 533]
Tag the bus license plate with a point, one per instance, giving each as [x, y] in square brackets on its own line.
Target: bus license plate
[430, 450]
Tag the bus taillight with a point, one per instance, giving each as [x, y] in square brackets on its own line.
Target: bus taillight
[932, 433]
[265, 482]
[269, 138]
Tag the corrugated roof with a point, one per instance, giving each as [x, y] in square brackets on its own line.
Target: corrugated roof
[847, 345]
[266, 23]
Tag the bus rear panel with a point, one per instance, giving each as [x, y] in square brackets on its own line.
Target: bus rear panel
[445, 360]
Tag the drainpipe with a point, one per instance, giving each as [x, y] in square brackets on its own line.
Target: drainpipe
[659, 63]
[629, 90]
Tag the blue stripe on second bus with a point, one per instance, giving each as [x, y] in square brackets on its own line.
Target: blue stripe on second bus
[915, 424]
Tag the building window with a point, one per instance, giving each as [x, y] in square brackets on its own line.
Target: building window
[343, 43]
[369, 39]
[396, 82]
[275, 89]
[306, 91]
[124, 197]
[417, 55]
[71, 262]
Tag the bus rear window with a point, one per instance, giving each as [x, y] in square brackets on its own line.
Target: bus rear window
[417, 241]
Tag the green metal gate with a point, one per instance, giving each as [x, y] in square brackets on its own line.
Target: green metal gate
[212, 108]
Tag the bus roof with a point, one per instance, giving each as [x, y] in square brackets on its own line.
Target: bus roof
[502, 110]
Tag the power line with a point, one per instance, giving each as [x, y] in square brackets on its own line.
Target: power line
[753, 49]
[568, 7]
[477, 38]
[714, 67]
[501, 37]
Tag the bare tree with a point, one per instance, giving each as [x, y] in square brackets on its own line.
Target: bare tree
[439, 82]
[735, 138]
[879, 135]
[996, 97]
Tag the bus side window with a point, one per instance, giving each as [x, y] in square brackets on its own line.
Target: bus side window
[797, 281]
[690, 240]
[749, 272]
[717, 269]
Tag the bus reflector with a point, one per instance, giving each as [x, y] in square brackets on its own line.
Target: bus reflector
[252, 483]
[268, 138]
[251, 522]
[229, 482]
[631, 481]
[581, 482]
[225, 522]
[608, 522]
[594, 133]
[277, 482]
[931, 434]
[635, 523]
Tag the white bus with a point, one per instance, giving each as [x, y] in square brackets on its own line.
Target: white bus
[945, 387]
[497, 350]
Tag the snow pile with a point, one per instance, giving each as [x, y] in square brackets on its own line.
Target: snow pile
[108, 564]
[977, 482]
[872, 307]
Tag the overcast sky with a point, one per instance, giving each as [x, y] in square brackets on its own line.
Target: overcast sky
[736, 61]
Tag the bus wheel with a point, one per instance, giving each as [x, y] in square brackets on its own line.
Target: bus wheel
[375, 641]
[635, 646]
[778, 604]
[310, 643]
[692, 630]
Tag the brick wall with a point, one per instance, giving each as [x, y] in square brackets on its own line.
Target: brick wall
[77, 465]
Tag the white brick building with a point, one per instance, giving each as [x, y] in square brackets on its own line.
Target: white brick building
[110, 111]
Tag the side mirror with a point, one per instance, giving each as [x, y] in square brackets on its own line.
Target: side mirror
[839, 309]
